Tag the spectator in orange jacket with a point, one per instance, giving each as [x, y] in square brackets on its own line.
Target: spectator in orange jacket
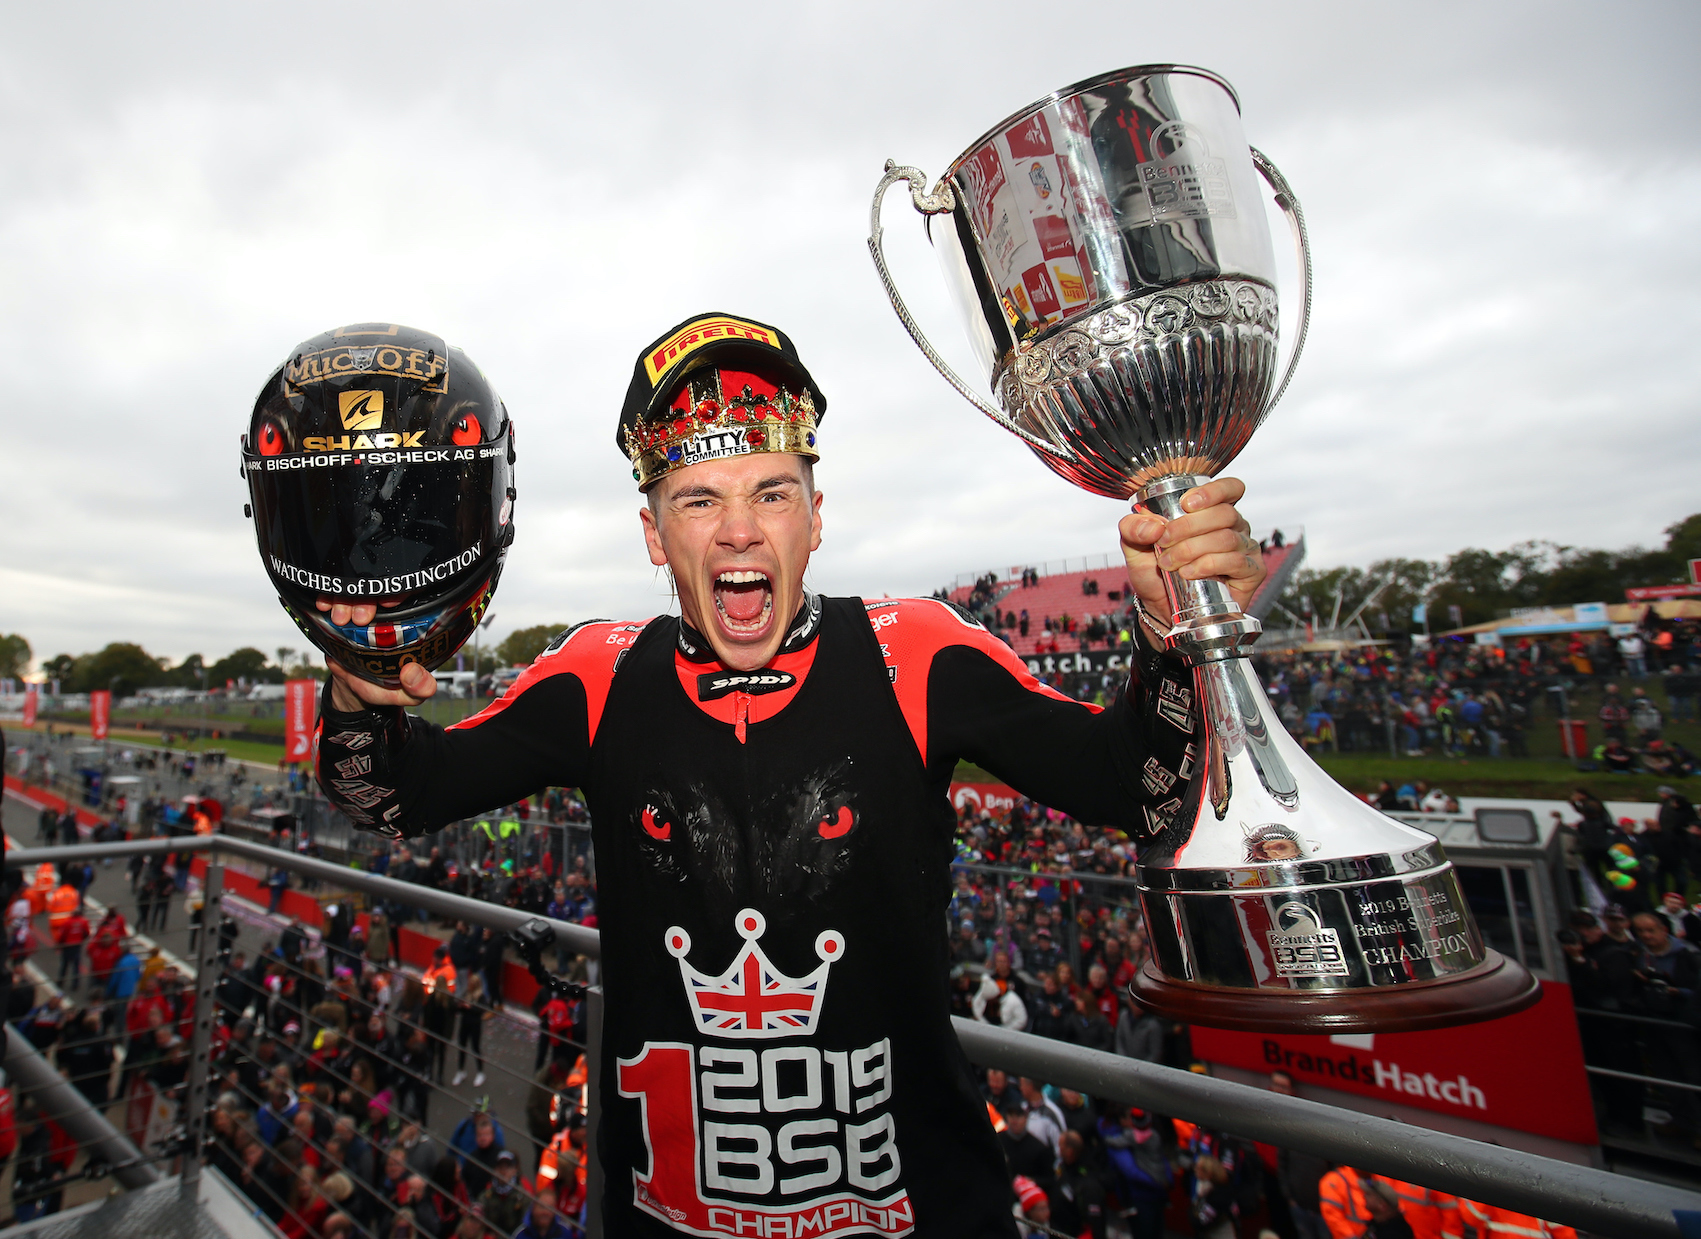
[1431, 1214]
[1493, 1222]
[1361, 1206]
[62, 903]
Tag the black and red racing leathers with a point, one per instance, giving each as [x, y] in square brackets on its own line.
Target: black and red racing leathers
[773, 857]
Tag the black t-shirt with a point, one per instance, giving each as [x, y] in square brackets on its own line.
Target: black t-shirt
[1028, 1155]
[773, 854]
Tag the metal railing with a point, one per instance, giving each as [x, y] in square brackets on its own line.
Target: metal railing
[60, 1100]
[242, 788]
[209, 965]
[1595, 1200]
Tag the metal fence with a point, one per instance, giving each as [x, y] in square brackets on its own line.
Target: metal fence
[259, 803]
[166, 1107]
[1603, 1203]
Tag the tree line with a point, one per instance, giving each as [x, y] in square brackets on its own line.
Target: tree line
[1486, 585]
[125, 667]
[1482, 584]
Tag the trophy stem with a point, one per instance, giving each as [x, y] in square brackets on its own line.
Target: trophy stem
[1209, 624]
[1230, 696]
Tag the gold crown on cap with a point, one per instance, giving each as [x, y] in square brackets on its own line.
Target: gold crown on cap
[716, 427]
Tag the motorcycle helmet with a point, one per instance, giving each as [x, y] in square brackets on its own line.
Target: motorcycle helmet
[380, 469]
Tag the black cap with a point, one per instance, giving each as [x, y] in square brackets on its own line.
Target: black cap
[689, 346]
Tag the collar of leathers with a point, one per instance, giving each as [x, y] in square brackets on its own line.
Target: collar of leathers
[804, 626]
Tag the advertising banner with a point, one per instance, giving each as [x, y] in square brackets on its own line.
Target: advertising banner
[299, 699]
[1656, 593]
[1082, 662]
[1524, 1072]
[100, 713]
[995, 797]
[32, 698]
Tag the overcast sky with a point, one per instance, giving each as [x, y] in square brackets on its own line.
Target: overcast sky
[1504, 203]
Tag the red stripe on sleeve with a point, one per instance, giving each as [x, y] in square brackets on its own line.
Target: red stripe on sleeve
[590, 653]
[912, 630]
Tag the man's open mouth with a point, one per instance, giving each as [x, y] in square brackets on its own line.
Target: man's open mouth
[745, 601]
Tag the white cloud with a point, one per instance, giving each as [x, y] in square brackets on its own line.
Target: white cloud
[1505, 237]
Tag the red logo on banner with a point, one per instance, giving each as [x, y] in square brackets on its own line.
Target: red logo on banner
[984, 171]
[1040, 290]
[1653, 593]
[100, 712]
[298, 719]
[977, 796]
[31, 697]
[1030, 138]
[1524, 1071]
[1053, 234]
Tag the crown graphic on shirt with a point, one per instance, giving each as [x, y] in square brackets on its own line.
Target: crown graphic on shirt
[752, 999]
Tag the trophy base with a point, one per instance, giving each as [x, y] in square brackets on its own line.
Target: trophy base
[1496, 987]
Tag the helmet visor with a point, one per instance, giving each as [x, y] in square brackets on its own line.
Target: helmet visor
[383, 635]
[372, 526]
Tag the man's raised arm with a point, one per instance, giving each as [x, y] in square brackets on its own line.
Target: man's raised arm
[397, 774]
[1126, 765]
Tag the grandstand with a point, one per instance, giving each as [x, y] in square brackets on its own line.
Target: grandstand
[1062, 593]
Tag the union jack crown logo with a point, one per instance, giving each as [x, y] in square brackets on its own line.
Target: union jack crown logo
[752, 999]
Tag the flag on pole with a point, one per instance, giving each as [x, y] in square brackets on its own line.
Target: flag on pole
[298, 719]
[100, 712]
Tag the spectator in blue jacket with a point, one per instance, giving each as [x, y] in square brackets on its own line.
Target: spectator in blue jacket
[543, 1222]
[273, 1119]
[1140, 1165]
[121, 984]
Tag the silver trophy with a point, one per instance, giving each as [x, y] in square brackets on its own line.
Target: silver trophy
[1108, 250]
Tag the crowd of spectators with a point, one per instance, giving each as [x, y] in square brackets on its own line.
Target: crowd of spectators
[1092, 1169]
[1092, 629]
[325, 1059]
[1449, 696]
[1046, 937]
[1461, 699]
[324, 1095]
[327, 1052]
[1635, 975]
[325, 1066]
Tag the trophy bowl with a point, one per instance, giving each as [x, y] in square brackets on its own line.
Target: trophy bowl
[1108, 253]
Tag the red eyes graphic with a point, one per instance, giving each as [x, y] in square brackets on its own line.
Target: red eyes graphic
[466, 431]
[270, 439]
[663, 832]
[839, 826]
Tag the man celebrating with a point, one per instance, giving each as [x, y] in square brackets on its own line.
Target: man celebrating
[767, 778]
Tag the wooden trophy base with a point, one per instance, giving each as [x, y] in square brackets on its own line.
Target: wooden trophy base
[1496, 987]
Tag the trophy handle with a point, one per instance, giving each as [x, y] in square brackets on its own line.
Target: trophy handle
[940, 202]
[1290, 207]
